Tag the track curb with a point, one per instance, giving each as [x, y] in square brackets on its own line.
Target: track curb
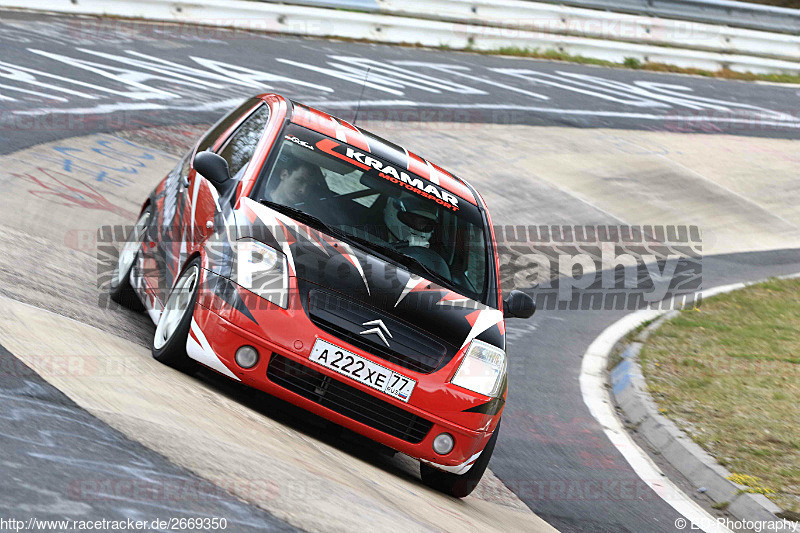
[640, 414]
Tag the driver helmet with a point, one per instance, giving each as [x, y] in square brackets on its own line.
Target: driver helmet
[411, 218]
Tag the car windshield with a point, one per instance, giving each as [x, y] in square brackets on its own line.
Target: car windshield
[409, 220]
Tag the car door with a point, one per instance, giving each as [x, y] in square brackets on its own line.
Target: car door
[208, 209]
[180, 226]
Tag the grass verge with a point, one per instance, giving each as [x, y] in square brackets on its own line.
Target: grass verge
[791, 4]
[728, 373]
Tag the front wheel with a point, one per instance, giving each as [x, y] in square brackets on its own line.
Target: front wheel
[169, 342]
[460, 485]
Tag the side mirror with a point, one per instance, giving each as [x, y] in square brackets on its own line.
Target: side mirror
[518, 305]
[213, 168]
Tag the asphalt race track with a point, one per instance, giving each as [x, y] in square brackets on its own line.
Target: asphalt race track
[112, 103]
[120, 74]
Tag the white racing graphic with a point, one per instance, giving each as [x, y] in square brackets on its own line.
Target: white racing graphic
[362, 370]
[389, 172]
[198, 348]
[486, 318]
[457, 469]
[301, 142]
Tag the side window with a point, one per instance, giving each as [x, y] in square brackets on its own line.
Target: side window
[225, 123]
[476, 259]
[240, 147]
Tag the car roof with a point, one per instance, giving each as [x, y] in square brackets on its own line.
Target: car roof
[322, 122]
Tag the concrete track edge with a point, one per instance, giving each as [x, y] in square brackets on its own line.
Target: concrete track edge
[629, 391]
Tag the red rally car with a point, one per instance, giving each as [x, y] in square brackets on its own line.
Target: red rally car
[300, 255]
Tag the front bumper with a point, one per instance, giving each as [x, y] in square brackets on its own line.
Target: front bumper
[284, 339]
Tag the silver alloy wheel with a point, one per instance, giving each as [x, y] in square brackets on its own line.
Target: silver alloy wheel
[131, 247]
[177, 305]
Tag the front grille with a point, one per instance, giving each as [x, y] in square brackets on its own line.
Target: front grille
[347, 400]
[408, 347]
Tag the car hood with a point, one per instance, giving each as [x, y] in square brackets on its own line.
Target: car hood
[337, 270]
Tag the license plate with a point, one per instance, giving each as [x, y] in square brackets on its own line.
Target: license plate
[362, 370]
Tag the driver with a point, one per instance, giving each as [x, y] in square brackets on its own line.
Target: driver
[299, 182]
[410, 219]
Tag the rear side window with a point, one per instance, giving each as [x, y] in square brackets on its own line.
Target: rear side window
[225, 123]
[240, 147]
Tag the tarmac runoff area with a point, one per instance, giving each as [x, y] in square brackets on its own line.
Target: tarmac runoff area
[739, 191]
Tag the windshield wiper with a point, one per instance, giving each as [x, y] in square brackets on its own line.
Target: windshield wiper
[301, 216]
[307, 218]
[406, 260]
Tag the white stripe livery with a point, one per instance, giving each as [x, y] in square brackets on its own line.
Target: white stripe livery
[202, 352]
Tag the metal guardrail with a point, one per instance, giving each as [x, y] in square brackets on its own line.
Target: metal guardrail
[717, 12]
[369, 6]
[727, 12]
[510, 18]
[439, 23]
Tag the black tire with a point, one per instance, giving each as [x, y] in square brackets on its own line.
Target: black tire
[173, 350]
[460, 485]
[120, 290]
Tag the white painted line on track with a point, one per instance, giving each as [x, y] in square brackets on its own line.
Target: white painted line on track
[334, 104]
[597, 399]
[141, 106]
[754, 119]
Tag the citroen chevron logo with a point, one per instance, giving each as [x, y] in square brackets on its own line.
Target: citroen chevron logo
[378, 330]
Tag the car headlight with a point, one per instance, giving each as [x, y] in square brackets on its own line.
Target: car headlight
[262, 270]
[482, 370]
